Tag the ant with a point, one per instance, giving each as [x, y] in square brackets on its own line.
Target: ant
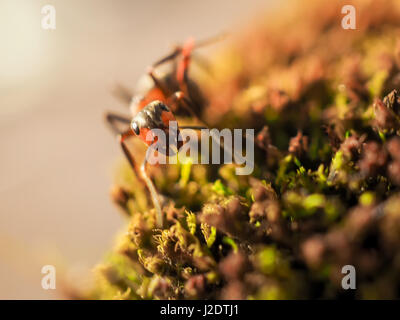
[150, 109]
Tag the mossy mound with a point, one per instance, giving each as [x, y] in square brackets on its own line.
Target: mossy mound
[325, 191]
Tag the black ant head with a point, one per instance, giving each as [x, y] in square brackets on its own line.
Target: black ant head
[155, 115]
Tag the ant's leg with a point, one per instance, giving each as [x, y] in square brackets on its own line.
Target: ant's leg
[190, 42]
[178, 49]
[187, 53]
[123, 94]
[122, 137]
[193, 127]
[183, 65]
[142, 175]
[182, 72]
[153, 193]
[112, 119]
[168, 57]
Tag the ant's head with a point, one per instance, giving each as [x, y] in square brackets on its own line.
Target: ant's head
[155, 115]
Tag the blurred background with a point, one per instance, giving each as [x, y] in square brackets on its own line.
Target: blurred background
[57, 156]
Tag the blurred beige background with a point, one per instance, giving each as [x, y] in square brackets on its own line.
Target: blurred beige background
[56, 154]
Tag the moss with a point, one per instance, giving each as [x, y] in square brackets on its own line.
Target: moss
[325, 190]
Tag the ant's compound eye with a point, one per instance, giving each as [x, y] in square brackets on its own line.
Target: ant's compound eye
[164, 107]
[135, 128]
